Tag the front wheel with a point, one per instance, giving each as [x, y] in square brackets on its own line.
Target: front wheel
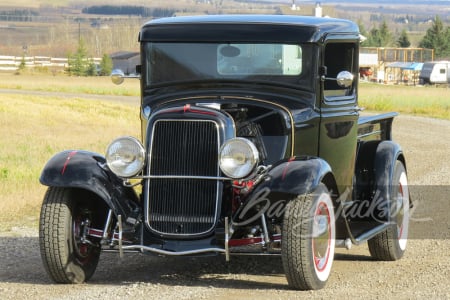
[391, 244]
[66, 256]
[308, 240]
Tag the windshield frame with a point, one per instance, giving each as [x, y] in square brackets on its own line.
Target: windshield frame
[202, 66]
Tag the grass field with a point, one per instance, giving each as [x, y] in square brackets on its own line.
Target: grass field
[71, 84]
[34, 128]
[429, 101]
[426, 101]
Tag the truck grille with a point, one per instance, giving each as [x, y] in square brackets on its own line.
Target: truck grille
[183, 206]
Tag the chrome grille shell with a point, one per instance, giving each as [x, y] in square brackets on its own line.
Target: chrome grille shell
[182, 200]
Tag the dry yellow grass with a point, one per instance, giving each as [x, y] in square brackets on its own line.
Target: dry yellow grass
[61, 83]
[34, 128]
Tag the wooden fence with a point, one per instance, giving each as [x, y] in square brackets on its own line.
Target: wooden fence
[12, 63]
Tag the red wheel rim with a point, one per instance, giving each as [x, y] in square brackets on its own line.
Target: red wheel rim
[322, 233]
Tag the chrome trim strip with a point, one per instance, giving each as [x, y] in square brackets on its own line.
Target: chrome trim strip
[369, 134]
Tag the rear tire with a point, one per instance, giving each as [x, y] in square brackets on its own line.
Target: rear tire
[308, 240]
[390, 245]
[66, 258]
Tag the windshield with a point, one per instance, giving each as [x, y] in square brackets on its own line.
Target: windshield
[278, 63]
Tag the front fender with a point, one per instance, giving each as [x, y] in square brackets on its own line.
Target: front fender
[297, 175]
[83, 169]
[284, 182]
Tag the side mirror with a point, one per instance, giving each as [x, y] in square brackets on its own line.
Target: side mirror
[344, 79]
[117, 76]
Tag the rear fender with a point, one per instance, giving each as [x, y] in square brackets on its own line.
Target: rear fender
[85, 170]
[284, 182]
[386, 155]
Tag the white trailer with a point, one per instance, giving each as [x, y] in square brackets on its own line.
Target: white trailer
[435, 72]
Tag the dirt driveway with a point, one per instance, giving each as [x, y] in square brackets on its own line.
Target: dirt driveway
[424, 272]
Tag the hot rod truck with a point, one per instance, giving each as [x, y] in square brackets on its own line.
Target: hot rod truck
[252, 144]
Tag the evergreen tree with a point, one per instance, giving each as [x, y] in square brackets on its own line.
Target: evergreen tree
[437, 38]
[373, 40]
[106, 65]
[385, 35]
[78, 62]
[379, 37]
[91, 68]
[363, 32]
[403, 40]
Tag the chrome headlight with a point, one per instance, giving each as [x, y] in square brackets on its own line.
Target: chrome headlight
[238, 157]
[125, 156]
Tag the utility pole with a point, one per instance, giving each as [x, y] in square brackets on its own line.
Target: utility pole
[79, 31]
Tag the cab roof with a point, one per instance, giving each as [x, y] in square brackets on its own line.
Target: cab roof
[245, 28]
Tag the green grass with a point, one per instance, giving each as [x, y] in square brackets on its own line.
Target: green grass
[429, 101]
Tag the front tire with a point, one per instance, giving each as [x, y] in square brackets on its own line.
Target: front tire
[66, 258]
[308, 240]
[390, 245]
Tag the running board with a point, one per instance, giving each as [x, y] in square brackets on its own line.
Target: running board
[371, 233]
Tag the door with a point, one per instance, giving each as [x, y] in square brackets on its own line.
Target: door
[339, 113]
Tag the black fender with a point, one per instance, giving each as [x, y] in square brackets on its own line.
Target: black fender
[364, 170]
[87, 170]
[386, 155]
[284, 182]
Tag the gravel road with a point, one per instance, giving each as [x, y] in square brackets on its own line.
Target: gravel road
[424, 272]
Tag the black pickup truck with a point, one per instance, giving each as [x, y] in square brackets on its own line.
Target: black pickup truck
[252, 144]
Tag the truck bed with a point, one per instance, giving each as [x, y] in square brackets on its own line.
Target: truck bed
[376, 127]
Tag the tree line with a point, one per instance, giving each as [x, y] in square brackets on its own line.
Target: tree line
[437, 37]
[18, 15]
[129, 10]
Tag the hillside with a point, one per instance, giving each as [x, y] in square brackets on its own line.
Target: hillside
[54, 27]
